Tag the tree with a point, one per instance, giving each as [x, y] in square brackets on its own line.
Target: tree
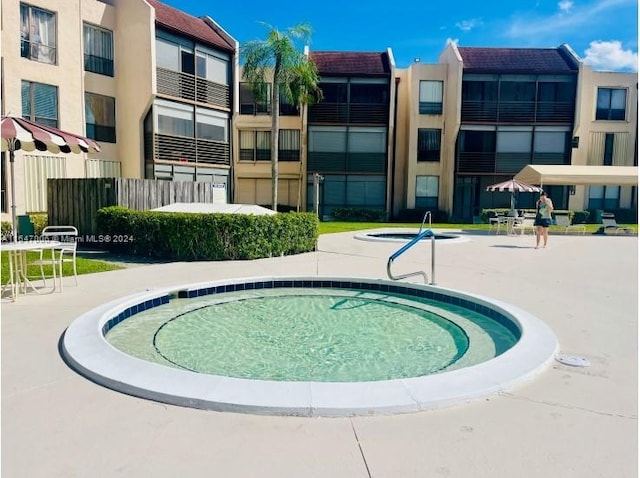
[295, 78]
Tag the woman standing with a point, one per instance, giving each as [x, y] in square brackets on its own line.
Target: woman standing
[544, 208]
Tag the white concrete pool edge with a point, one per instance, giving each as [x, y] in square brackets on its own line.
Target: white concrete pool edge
[87, 351]
[452, 236]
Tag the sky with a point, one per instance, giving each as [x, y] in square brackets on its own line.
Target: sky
[604, 33]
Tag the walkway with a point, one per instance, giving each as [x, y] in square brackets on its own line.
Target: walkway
[569, 422]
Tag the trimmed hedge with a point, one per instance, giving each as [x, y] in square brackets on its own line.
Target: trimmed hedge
[206, 237]
[352, 214]
[417, 215]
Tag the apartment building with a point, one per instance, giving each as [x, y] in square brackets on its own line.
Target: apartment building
[350, 132]
[480, 115]
[252, 154]
[151, 84]
[162, 93]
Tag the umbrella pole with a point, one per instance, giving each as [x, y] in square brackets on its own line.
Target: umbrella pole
[14, 224]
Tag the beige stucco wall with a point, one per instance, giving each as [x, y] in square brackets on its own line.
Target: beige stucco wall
[449, 71]
[588, 83]
[66, 74]
[135, 75]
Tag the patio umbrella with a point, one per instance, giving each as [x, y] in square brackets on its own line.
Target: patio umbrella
[25, 135]
[513, 186]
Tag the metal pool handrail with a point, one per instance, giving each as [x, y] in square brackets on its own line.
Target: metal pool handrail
[409, 245]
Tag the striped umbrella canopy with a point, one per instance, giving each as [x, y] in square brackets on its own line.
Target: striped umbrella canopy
[514, 186]
[24, 135]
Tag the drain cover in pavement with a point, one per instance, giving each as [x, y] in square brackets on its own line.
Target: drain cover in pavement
[573, 360]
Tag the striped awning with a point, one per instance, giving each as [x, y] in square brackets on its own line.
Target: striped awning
[513, 185]
[25, 135]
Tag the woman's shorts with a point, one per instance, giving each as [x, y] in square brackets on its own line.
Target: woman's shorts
[541, 221]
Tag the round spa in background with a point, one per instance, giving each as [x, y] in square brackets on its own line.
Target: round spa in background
[310, 346]
[406, 236]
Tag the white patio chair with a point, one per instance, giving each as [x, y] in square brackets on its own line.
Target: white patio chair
[67, 235]
[562, 220]
[525, 224]
[609, 224]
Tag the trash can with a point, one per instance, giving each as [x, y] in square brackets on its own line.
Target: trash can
[25, 226]
[597, 216]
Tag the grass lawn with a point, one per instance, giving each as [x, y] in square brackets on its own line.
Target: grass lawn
[90, 266]
[331, 227]
[84, 266]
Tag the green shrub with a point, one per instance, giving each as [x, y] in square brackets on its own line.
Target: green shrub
[39, 222]
[194, 237]
[417, 215]
[6, 230]
[580, 217]
[352, 214]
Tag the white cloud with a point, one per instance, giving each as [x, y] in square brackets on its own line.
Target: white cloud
[529, 27]
[565, 5]
[610, 56]
[466, 25]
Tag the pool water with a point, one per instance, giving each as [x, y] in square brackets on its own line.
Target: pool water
[313, 335]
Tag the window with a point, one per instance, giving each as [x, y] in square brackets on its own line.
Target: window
[607, 160]
[611, 104]
[255, 145]
[98, 50]
[428, 145]
[100, 117]
[430, 98]
[212, 68]
[250, 105]
[175, 53]
[37, 34]
[40, 103]
[334, 92]
[174, 119]
[287, 108]
[426, 191]
[604, 197]
[211, 125]
[289, 145]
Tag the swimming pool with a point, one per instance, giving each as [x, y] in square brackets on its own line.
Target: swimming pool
[405, 236]
[460, 373]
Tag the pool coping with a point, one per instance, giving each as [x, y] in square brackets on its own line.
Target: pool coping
[366, 236]
[86, 350]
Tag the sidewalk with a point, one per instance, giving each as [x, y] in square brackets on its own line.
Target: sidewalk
[568, 422]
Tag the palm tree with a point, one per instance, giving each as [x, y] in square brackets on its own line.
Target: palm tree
[295, 77]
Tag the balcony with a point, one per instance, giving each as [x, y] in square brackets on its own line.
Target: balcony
[190, 150]
[476, 163]
[517, 112]
[350, 113]
[188, 87]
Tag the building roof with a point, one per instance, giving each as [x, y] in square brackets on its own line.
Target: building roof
[338, 63]
[517, 60]
[188, 25]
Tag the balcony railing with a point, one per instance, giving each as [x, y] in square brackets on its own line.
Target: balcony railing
[363, 113]
[188, 87]
[517, 111]
[476, 162]
[190, 150]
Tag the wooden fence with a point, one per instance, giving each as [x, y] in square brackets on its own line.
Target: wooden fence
[76, 201]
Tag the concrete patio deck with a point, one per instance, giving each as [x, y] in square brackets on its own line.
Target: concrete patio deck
[567, 422]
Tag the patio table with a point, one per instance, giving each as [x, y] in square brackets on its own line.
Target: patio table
[17, 252]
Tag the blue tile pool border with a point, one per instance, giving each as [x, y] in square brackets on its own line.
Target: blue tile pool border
[430, 293]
